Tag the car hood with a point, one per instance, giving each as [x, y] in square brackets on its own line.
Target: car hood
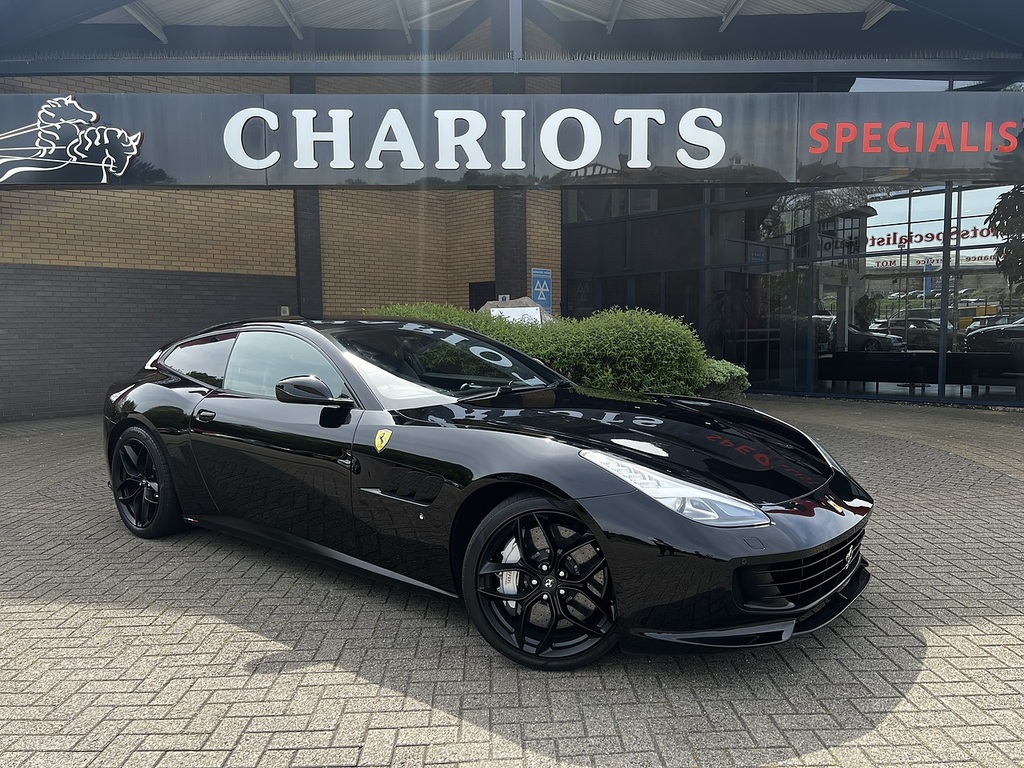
[727, 447]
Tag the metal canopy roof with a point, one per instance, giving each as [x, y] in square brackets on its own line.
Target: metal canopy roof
[35, 19]
[650, 31]
[435, 14]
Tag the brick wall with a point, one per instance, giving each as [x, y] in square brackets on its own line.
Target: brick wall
[195, 230]
[469, 242]
[66, 334]
[386, 246]
[126, 270]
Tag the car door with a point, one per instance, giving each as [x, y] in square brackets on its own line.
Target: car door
[275, 468]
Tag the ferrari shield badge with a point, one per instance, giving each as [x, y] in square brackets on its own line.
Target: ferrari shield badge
[383, 435]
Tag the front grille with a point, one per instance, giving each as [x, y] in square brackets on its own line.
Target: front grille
[799, 584]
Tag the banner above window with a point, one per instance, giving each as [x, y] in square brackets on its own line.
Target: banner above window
[494, 141]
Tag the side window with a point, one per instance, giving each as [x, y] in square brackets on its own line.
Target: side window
[260, 359]
[204, 359]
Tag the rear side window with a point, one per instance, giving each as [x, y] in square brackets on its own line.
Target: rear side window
[204, 359]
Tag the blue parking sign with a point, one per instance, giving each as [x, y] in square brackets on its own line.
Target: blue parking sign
[540, 287]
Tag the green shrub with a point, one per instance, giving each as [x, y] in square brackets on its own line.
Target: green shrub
[724, 380]
[630, 350]
[624, 350]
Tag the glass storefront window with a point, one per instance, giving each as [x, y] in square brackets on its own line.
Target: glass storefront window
[853, 290]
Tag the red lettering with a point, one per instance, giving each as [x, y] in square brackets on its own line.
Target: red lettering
[941, 136]
[988, 137]
[872, 138]
[846, 133]
[893, 144]
[919, 146]
[763, 460]
[1011, 138]
[818, 136]
[745, 449]
[965, 135]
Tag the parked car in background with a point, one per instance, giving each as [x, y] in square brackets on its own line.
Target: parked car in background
[921, 333]
[986, 320]
[872, 341]
[996, 338]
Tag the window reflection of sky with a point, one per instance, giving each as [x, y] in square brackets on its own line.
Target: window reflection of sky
[923, 214]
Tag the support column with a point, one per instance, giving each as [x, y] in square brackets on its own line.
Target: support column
[510, 243]
[308, 255]
[507, 35]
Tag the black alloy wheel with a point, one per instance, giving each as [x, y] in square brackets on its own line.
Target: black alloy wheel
[141, 480]
[872, 345]
[538, 587]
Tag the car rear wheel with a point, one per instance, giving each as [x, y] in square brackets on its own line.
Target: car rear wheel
[141, 481]
[871, 345]
[537, 585]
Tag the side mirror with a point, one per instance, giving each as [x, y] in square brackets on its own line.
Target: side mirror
[310, 390]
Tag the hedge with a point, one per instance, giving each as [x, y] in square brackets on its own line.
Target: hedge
[623, 350]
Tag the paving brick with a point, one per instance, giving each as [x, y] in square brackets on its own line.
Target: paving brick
[202, 650]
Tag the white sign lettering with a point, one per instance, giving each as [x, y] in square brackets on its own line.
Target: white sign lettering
[570, 139]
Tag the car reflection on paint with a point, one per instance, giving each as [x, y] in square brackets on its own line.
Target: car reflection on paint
[437, 458]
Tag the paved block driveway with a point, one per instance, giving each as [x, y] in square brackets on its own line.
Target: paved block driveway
[199, 650]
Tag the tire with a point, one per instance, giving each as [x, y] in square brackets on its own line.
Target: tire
[871, 345]
[537, 585]
[143, 491]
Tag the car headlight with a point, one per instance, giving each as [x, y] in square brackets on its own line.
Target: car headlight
[701, 505]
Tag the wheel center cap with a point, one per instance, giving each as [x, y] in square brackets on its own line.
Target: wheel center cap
[549, 583]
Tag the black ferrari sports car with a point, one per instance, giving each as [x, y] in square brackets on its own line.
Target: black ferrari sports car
[436, 457]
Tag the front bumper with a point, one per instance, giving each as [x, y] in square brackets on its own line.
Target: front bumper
[770, 633]
[682, 583]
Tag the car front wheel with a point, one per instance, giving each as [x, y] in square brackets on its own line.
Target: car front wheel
[141, 480]
[537, 585]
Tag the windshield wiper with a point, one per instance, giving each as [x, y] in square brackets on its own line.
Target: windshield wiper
[512, 386]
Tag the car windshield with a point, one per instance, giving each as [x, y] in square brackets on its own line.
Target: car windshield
[410, 364]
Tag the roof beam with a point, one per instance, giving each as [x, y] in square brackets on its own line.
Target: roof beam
[289, 16]
[405, 21]
[730, 13]
[142, 14]
[436, 11]
[943, 69]
[575, 11]
[613, 17]
[878, 11]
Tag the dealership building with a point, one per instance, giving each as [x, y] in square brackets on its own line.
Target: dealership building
[800, 180]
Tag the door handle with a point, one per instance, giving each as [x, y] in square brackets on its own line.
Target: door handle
[204, 415]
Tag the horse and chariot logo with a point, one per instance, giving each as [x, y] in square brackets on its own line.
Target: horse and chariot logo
[66, 145]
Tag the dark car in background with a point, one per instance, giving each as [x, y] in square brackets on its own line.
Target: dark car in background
[984, 321]
[996, 338]
[921, 333]
[434, 457]
[873, 341]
